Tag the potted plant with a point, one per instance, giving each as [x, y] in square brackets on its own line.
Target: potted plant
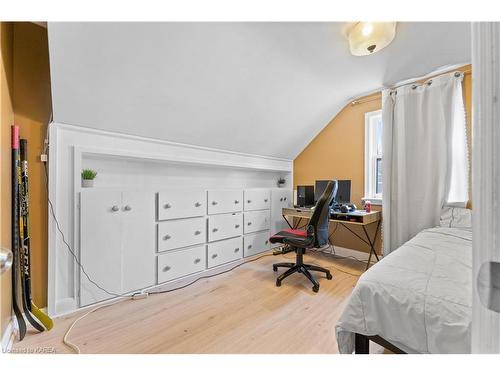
[281, 182]
[88, 176]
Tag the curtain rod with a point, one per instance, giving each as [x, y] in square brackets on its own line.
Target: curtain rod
[377, 96]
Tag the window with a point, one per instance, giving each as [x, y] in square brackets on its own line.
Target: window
[373, 156]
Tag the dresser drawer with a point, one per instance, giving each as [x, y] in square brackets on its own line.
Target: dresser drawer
[256, 221]
[224, 251]
[181, 263]
[225, 226]
[256, 243]
[181, 203]
[181, 233]
[223, 201]
[257, 199]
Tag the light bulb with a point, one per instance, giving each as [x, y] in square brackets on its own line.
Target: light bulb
[367, 29]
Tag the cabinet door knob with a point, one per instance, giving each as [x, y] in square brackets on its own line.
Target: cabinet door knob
[167, 205]
[197, 232]
[236, 201]
[237, 226]
[115, 208]
[267, 241]
[237, 249]
[214, 230]
[214, 203]
[197, 260]
[128, 208]
[249, 201]
[249, 246]
[265, 200]
[166, 237]
[166, 268]
[249, 223]
[284, 198]
[214, 256]
[281, 199]
[197, 204]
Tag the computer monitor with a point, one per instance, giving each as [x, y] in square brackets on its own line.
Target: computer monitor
[343, 192]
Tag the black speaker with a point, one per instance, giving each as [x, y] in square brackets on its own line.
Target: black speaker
[305, 195]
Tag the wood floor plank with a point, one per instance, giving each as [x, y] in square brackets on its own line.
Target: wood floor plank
[241, 311]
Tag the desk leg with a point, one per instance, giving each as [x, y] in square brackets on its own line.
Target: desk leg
[372, 244]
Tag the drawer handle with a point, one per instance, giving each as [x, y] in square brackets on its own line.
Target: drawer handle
[214, 256]
[214, 203]
[115, 208]
[236, 201]
[167, 205]
[166, 268]
[249, 246]
[249, 223]
[237, 249]
[281, 199]
[197, 260]
[267, 241]
[128, 208]
[197, 204]
[284, 198]
[249, 201]
[265, 200]
[237, 226]
[214, 230]
[197, 232]
[166, 237]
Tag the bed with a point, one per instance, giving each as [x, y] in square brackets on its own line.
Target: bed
[418, 298]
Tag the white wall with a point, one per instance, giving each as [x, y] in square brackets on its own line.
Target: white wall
[260, 88]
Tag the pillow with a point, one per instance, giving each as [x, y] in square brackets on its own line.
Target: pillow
[455, 217]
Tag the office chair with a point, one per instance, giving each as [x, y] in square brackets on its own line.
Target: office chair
[299, 241]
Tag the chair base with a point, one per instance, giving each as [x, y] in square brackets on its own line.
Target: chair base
[302, 268]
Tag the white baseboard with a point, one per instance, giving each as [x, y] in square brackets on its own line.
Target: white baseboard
[8, 337]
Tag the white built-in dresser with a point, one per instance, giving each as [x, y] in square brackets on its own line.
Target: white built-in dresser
[135, 240]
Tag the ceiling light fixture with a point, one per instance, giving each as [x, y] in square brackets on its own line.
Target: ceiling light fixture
[366, 38]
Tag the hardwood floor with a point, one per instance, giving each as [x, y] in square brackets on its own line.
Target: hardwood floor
[238, 312]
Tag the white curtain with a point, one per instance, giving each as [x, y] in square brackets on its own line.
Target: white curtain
[425, 156]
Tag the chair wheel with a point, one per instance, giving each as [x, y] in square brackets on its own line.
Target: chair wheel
[329, 276]
[316, 288]
[275, 268]
[278, 283]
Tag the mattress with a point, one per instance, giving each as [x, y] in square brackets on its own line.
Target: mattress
[418, 298]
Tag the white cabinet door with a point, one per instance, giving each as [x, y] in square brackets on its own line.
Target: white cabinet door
[255, 221]
[280, 198]
[224, 201]
[224, 251]
[255, 243]
[257, 199]
[100, 244]
[174, 234]
[225, 226]
[181, 203]
[138, 240]
[176, 264]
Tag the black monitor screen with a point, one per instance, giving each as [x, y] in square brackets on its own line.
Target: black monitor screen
[343, 191]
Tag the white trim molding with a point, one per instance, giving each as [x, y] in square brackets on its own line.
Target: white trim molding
[485, 181]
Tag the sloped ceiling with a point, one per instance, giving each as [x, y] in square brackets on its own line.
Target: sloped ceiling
[260, 88]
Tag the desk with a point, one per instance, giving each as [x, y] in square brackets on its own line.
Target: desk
[357, 218]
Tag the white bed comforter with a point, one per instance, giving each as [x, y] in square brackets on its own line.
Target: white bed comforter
[418, 298]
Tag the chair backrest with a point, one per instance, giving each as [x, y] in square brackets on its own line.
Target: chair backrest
[321, 215]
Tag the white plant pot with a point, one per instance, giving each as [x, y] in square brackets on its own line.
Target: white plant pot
[87, 183]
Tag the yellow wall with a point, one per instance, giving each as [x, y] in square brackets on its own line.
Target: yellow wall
[32, 107]
[338, 152]
[6, 120]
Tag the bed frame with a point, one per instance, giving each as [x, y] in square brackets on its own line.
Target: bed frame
[362, 344]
